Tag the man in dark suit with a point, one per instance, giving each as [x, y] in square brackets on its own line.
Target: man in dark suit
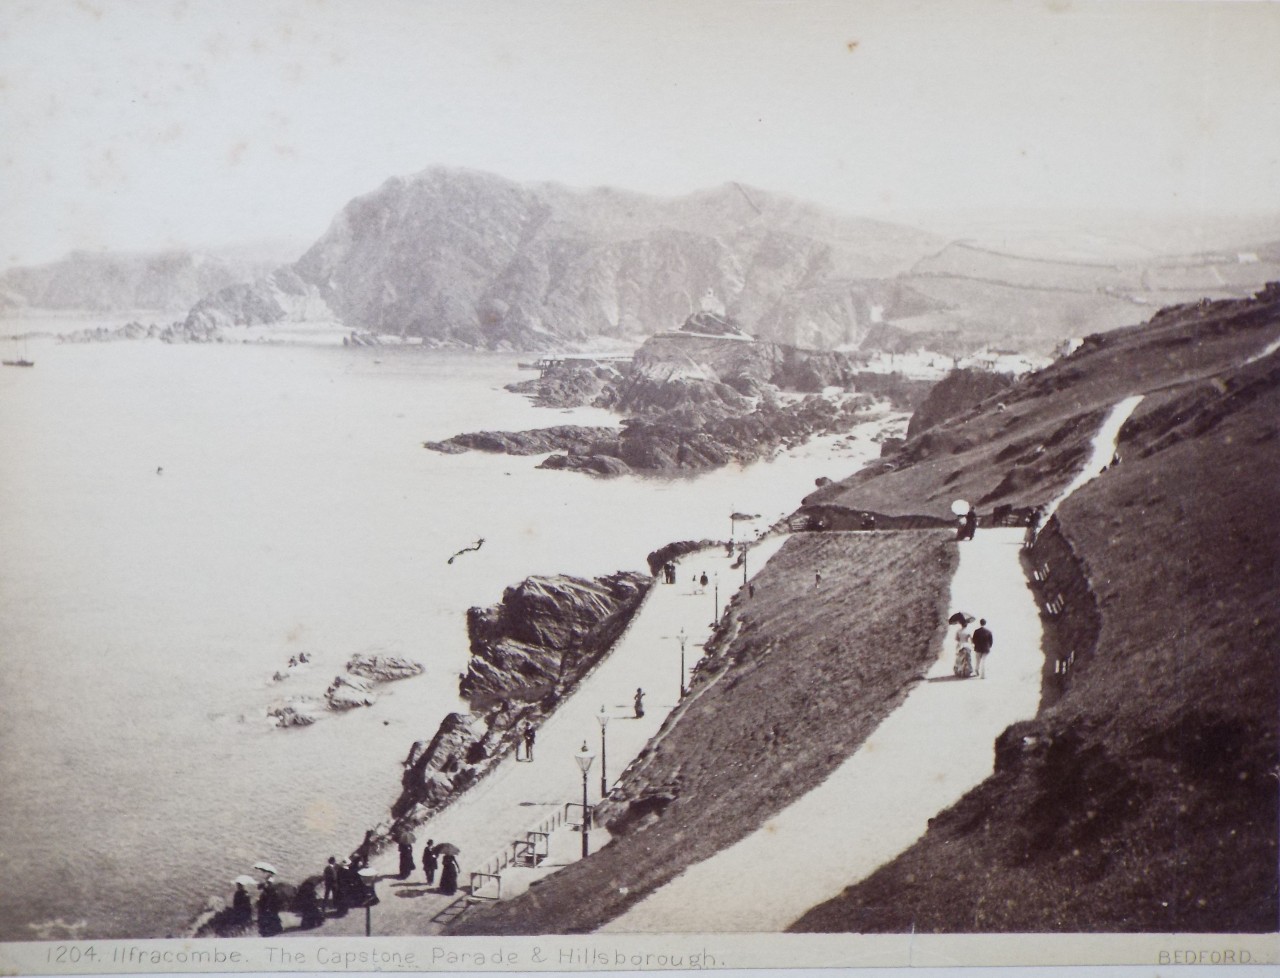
[982, 641]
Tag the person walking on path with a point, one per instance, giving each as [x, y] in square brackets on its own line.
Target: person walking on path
[529, 737]
[982, 641]
[344, 895]
[430, 862]
[1033, 527]
[639, 703]
[449, 875]
[305, 905]
[330, 877]
[406, 857]
[968, 525]
[963, 667]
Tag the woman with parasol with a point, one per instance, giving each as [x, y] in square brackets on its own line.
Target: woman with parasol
[963, 666]
[449, 868]
[268, 910]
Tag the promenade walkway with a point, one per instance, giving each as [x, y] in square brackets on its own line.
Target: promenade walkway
[515, 796]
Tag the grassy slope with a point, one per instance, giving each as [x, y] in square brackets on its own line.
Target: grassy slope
[804, 677]
[1146, 797]
[1026, 453]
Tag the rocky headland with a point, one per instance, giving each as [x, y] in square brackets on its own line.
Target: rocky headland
[700, 397]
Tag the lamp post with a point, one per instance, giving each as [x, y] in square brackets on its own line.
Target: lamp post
[744, 563]
[584, 758]
[369, 877]
[603, 720]
[683, 638]
[716, 617]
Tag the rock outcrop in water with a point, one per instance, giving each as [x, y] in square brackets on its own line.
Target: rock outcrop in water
[355, 687]
[567, 386]
[527, 653]
[578, 439]
[694, 400]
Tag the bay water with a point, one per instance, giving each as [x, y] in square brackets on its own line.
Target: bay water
[176, 522]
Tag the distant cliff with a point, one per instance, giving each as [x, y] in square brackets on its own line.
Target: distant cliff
[167, 281]
[471, 259]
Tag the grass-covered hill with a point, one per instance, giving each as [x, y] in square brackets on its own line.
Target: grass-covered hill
[1143, 797]
[796, 679]
[1020, 447]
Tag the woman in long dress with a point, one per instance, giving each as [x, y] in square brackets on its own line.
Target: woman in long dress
[406, 858]
[449, 874]
[964, 651]
[242, 907]
[268, 910]
[307, 906]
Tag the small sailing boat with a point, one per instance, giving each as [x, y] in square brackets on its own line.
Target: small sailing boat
[22, 361]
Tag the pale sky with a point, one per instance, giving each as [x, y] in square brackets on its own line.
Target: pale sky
[140, 124]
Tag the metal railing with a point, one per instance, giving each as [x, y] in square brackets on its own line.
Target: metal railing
[536, 844]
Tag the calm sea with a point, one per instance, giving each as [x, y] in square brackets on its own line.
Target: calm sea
[143, 613]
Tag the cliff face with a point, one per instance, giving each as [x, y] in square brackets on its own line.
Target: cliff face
[527, 652]
[472, 259]
[544, 634]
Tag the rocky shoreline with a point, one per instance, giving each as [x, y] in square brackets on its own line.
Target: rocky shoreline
[691, 400]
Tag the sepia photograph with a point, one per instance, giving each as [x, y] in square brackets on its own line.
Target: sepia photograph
[630, 485]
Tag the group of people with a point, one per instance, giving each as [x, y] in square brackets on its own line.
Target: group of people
[668, 573]
[435, 857]
[272, 899]
[344, 888]
[973, 645]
